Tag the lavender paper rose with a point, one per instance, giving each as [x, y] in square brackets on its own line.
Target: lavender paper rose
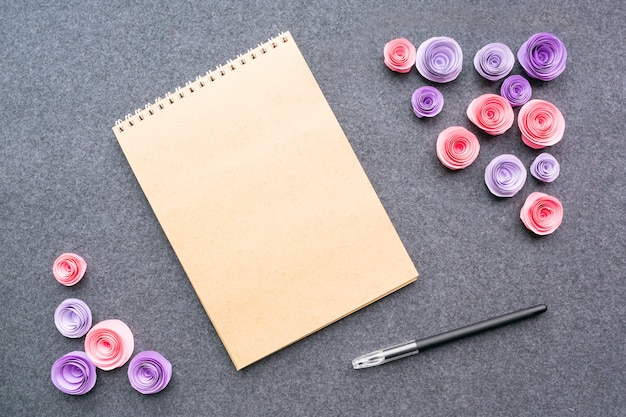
[545, 168]
[73, 318]
[494, 61]
[439, 59]
[505, 175]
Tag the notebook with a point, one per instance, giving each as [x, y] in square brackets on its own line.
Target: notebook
[264, 201]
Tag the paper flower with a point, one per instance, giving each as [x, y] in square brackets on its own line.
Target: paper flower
[540, 123]
[494, 61]
[543, 56]
[457, 147]
[439, 59]
[399, 55]
[69, 268]
[149, 372]
[427, 102]
[505, 175]
[516, 90]
[545, 168]
[109, 344]
[73, 318]
[73, 373]
[542, 213]
[491, 113]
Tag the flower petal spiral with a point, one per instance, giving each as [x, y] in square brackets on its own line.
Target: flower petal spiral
[109, 344]
[69, 268]
[427, 102]
[149, 372]
[541, 124]
[505, 175]
[73, 318]
[516, 90]
[399, 55]
[439, 59]
[545, 168]
[543, 56]
[457, 147]
[494, 61]
[491, 113]
[541, 213]
[74, 373]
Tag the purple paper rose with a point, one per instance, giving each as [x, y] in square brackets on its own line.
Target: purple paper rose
[74, 373]
[516, 90]
[543, 56]
[149, 372]
[427, 101]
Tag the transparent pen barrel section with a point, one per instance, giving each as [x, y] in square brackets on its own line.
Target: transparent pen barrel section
[385, 355]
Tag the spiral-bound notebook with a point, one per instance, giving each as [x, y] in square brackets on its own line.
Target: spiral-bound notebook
[264, 201]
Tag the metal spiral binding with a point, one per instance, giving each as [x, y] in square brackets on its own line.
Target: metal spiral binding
[201, 81]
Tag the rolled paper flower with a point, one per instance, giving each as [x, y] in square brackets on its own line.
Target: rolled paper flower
[69, 268]
[74, 373]
[73, 318]
[505, 175]
[517, 90]
[399, 55]
[427, 102]
[491, 113]
[543, 56]
[149, 372]
[540, 123]
[542, 213]
[494, 61]
[439, 59]
[109, 344]
[545, 167]
[457, 147]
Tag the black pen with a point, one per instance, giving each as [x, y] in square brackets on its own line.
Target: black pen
[413, 347]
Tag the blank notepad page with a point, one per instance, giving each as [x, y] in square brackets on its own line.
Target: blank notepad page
[264, 201]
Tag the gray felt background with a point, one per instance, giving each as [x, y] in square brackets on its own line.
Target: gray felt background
[69, 70]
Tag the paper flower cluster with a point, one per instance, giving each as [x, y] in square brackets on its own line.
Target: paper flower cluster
[108, 345]
[541, 124]
[149, 372]
[439, 59]
[74, 373]
[494, 61]
[73, 318]
[427, 101]
[516, 90]
[69, 268]
[543, 56]
[399, 55]
[457, 147]
[491, 113]
[542, 214]
[505, 175]
[545, 168]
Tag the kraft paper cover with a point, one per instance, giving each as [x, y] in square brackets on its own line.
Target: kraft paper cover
[264, 201]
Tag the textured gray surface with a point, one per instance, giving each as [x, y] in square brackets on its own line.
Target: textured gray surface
[69, 71]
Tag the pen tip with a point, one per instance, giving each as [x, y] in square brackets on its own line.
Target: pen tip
[369, 360]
